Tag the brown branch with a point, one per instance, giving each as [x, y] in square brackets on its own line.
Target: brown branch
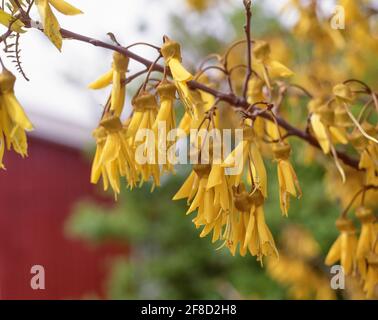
[247, 29]
[194, 85]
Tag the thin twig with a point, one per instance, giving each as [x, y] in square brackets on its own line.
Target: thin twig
[247, 28]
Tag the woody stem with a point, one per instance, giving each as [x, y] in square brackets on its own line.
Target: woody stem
[247, 29]
[230, 98]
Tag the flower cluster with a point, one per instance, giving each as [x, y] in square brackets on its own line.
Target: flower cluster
[250, 90]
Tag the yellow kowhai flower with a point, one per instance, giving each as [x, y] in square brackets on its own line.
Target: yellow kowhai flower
[7, 19]
[207, 191]
[51, 26]
[367, 238]
[368, 234]
[165, 120]
[141, 137]
[266, 66]
[344, 248]
[13, 119]
[194, 190]
[322, 119]
[251, 160]
[369, 162]
[194, 119]
[287, 179]
[255, 94]
[117, 77]
[368, 151]
[371, 279]
[171, 52]
[248, 227]
[113, 158]
[345, 97]
[218, 185]
[202, 102]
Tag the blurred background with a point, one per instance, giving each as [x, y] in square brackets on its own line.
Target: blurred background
[144, 246]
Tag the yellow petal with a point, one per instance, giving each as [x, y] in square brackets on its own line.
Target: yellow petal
[334, 253]
[338, 135]
[277, 69]
[102, 82]
[215, 176]
[185, 123]
[111, 149]
[118, 94]
[260, 175]
[96, 166]
[50, 24]
[320, 133]
[186, 188]
[65, 8]
[6, 19]
[209, 208]
[16, 112]
[287, 173]
[179, 73]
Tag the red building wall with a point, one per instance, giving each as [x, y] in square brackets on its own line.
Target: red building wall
[36, 196]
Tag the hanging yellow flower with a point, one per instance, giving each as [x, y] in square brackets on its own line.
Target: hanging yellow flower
[117, 77]
[13, 120]
[248, 227]
[371, 279]
[142, 138]
[368, 151]
[113, 158]
[344, 248]
[287, 179]
[194, 190]
[368, 233]
[171, 52]
[165, 122]
[217, 185]
[247, 157]
[326, 131]
[50, 23]
[266, 66]
[328, 124]
[255, 94]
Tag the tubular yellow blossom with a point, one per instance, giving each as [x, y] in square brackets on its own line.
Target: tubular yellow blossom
[344, 248]
[248, 227]
[117, 77]
[371, 279]
[113, 158]
[171, 52]
[166, 118]
[368, 233]
[251, 160]
[255, 94]
[140, 137]
[50, 23]
[13, 119]
[287, 179]
[266, 66]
